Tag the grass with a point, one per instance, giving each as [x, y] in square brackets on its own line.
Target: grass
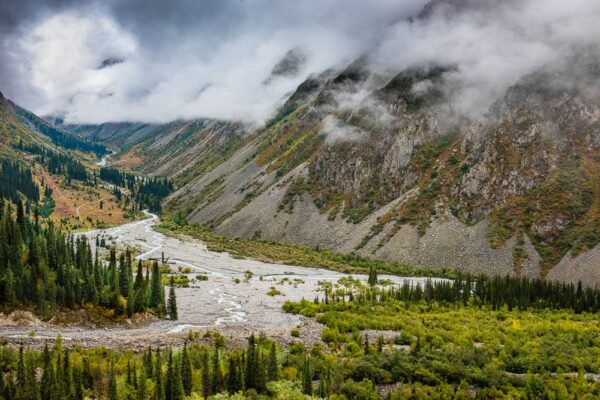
[289, 254]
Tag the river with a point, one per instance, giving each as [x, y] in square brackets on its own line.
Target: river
[225, 300]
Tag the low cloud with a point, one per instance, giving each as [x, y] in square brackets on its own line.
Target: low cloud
[183, 59]
[156, 61]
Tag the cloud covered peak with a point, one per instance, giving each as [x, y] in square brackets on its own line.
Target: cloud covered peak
[157, 61]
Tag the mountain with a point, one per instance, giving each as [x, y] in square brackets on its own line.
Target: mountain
[54, 172]
[398, 175]
[384, 164]
[174, 149]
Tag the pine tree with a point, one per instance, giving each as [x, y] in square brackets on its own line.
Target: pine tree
[206, 382]
[273, 369]
[173, 388]
[306, 378]
[112, 383]
[142, 390]
[186, 371]
[217, 375]
[172, 302]
[233, 375]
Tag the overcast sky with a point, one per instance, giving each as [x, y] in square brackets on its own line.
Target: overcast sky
[157, 60]
[177, 59]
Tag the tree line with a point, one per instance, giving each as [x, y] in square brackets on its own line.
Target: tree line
[57, 163]
[60, 138]
[16, 180]
[145, 192]
[508, 291]
[59, 373]
[42, 267]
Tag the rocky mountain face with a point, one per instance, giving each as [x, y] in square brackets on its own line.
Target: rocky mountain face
[395, 174]
[381, 163]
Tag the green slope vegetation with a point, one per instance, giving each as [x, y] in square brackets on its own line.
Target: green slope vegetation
[44, 269]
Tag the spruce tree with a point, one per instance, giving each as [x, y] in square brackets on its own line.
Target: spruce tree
[273, 369]
[156, 289]
[67, 377]
[142, 390]
[206, 382]
[21, 381]
[112, 383]
[324, 384]
[173, 388]
[251, 365]
[306, 378]
[47, 382]
[172, 302]
[77, 384]
[139, 276]
[186, 371]
[130, 301]
[124, 277]
[372, 276]
[217, 375]
[159, 392]
[233, 375]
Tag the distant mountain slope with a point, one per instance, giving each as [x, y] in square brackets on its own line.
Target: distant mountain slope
[381, 163]
[398, 177]
[52, 171]
[172, 149]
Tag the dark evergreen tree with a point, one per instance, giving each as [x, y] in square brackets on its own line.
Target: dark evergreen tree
[273, 368]
[112, 384]
[172, 301]
[173, 387]
[306, 378]
[217, 374]
[206, 381]
[156, 289]
[234, 383]
[186, 371]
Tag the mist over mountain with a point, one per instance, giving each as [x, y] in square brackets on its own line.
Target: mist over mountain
[115, 61]
[400, 131]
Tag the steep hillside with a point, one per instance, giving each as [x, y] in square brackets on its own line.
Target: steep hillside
[398, 176]
[176, 149]
[53, 172]
[386, 162]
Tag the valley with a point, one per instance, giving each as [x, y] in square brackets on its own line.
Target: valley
[316, 200]
[233, 301]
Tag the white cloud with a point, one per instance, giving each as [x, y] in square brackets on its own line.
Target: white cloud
[188, 59]
[195, 70]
